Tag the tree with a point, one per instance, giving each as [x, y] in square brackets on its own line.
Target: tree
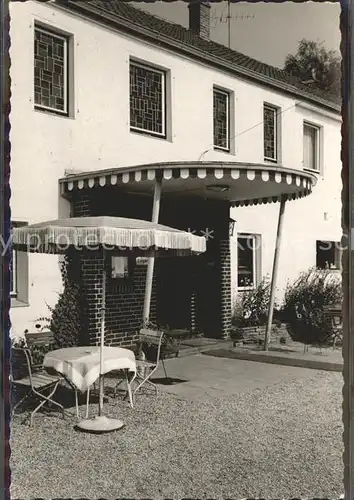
[314, 64]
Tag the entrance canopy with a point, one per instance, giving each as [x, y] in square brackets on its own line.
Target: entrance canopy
[238, 183]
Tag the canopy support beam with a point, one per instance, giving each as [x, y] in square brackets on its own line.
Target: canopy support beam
[151, 260]
[274, 273]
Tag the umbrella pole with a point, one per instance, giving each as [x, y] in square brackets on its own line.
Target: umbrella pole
[151, 260]
[101, 424]
[103, 314]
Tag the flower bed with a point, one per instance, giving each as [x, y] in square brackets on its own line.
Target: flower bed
[256, 334]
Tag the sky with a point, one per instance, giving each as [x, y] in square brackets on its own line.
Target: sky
[264, 31]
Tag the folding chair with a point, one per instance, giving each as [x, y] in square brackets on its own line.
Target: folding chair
[25, 374]
[335, 322]
[148, 366]
[129, 385]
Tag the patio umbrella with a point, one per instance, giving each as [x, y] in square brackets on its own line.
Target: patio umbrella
[115, 234]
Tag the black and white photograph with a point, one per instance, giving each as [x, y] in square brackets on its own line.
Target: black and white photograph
[176, 250]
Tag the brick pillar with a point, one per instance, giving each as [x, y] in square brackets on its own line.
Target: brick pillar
[225, 287]
[124, 301]
[92, 263]
[225, 273]
[193, 312]
[81, 205]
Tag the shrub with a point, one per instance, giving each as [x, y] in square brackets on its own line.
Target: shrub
[68, 319]
[251, 307]
[304, 303]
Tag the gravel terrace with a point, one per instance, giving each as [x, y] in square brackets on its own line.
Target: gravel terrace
[283, 440]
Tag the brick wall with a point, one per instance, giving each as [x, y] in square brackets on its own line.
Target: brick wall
[225, 285]
[194, 292]
[225, 271]
[124, 299]
[199, 18]
[256, 334]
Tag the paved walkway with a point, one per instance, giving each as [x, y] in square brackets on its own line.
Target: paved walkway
[201, 376]
[325, 359]
[291, 354]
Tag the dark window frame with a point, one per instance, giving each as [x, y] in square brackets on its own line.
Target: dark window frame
[276, 112]
[246, 237]
[218, 147]
[163, 73]
[50, 31]
[333, 250]
[20, 296]
[317, 130]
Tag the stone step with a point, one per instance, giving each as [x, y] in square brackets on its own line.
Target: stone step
[199, 342]
[186, 350]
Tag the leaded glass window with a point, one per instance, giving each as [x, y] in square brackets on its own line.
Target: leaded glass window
[221, 120]
[270, 133]
[50, 71]
[147, 99]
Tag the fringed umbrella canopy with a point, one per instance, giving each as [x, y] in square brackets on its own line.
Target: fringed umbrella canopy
[116, 234]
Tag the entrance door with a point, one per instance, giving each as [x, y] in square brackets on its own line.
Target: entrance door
[208, 300]
[173, 293]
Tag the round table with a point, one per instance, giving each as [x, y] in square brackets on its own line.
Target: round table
[81, 365]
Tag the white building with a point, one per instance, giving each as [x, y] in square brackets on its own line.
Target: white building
[100, 85]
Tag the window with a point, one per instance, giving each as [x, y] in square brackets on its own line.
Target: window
[147, 100]
[120, 267]
[221, 115]
[13, 274]
[311, 147]
[18, 268]
[270, 132]
[50, 71]
[328, 255]
[248, 260]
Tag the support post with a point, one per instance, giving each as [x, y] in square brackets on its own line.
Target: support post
[151, 260]
[274, 273]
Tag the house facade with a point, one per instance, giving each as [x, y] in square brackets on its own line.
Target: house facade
[105, 100]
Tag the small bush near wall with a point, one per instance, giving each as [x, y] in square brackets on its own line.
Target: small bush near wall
[250, 313]
[67, 320]
[251, 306]
[304, 303]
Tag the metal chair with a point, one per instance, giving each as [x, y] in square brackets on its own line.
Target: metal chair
[37, 380]
[129, 386]
[46, 339]
[148, 366]
[334, 318]
[129, 390]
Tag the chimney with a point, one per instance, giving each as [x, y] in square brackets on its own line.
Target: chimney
[199, 18]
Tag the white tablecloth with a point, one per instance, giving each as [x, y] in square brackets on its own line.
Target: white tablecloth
[81, 365]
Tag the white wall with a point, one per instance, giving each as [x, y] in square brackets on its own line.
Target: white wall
[45, 145]
[317, 217]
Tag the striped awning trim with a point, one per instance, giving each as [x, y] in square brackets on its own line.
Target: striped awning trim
[301, 181]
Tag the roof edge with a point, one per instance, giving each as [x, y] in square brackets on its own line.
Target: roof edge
[143, 32]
